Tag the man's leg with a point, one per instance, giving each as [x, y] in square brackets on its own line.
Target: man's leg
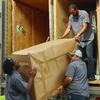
[76, 97]
[91, 69]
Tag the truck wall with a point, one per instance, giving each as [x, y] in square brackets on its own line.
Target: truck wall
[35, 24]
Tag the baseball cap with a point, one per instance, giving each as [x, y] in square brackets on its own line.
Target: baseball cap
[78, 53]
[8, 66]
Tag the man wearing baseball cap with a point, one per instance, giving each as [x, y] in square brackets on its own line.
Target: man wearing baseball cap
[16, 87]
[75, 84]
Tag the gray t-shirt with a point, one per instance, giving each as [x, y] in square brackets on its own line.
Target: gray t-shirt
[16, 87]
[79, 84]
[77, 23]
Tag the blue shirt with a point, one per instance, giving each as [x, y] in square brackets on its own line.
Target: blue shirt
[79, 85]
[77, 23]
[16, 87]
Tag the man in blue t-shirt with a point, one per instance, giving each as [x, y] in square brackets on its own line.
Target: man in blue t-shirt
[80, 24]
[16, 87]
[75, 83]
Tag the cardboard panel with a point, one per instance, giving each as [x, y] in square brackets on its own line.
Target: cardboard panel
[51, 60]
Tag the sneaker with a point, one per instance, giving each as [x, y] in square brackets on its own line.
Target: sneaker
[91, 78]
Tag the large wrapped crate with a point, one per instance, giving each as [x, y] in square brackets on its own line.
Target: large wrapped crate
[51, 60]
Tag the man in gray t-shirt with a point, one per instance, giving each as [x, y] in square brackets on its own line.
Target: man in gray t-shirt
[80, 24]
[16, 87]
[75, 84]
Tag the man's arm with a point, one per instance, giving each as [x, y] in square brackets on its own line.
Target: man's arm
[67, 80]
[32, 74]
[21, 85]
[84, 28]
[66, 31]
[69, 75]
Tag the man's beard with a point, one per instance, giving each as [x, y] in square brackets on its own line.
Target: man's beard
[75, 17]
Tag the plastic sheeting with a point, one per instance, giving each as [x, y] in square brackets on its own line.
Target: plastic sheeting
[51, 60]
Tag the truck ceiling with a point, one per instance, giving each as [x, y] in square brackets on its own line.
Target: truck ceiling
[38, 4]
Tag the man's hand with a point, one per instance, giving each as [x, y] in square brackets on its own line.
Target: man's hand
[61, 88]
[33, 72]
[77, 37]
[60, 37]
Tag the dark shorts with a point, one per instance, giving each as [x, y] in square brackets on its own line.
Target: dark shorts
[76, 97]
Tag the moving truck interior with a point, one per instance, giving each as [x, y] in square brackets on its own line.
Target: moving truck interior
[32, 21]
